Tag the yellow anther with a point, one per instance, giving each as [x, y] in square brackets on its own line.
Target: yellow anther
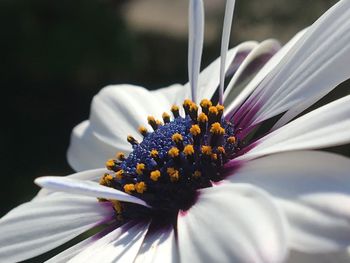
[159, 123]
[214, 156]
[220, 108]
[221, 150]
[139, 168]
[197, 174]
[119, 174]
[140, 187]
[128, 188]
[173, 152]
[143, 130]
[202, 117]
[117, 205]
[120, 156]
[206, 150]
[213, 110]
[217, 129]
[188, 150]
[187, 103]
[173, 174]
[155, 175]
[231, 139]
[110, 164]
[132, 140]
[166, 117]
[177, 137]
[206, 103]
[106, 179]
[193, 107]
[151, 119]
[195, 130]
[153, 153]
[174, 108]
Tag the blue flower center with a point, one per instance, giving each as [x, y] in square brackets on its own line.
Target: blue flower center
[173, 161]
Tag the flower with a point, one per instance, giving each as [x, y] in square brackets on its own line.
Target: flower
[202, 187]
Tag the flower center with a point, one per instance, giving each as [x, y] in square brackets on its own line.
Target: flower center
[173, 161]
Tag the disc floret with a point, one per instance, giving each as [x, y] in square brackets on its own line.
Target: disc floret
[179, 157]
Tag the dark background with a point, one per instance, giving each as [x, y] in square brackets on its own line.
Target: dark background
[55, 55]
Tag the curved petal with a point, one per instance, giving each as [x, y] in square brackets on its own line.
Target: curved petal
[209, 78]
[86, 188]
[118, 111]
[87, 151]
[174, 94]
[121, 245]
[233, 106]
[324, 127]
[222, 226]
[41, 225]
[90, 175]
[159, 246]
[312, 68]
[252, 64]
[313, 190]
[340, 257]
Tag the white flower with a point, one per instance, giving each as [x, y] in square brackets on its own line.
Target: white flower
[273, 195]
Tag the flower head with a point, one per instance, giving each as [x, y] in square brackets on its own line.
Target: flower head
[201, 178]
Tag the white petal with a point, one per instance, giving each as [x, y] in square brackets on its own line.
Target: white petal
[41, 225]
[256, 59]
[324, 127]
[174, 94]
[195, 43]
[313, 189]
[232, 223]
[232, 107]
[90, 175]
[86, 188]
[209, 78]
[229, 9]
[118, 111]
[159, 246]
[314, 66]
[298, 257]
[87, 151]
[121, 245]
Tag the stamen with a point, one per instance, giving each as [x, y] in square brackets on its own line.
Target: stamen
[173, 152]
[173, 174]
[155, 175]
[217, 129]
[231, 139]
[106, 179]
[143, 131]
[188, 150]
[195, 130]
[119, 174]
[205, 104]
[140, 167]
[152, 121]
[140, 187]
[120, 156]
[132, 140]
[128, 188]
[175, 111]
[117, 206]
[110, 164]
[197, 174]
[154, 153]
[207, 150]
[202, 121]
[166, 117]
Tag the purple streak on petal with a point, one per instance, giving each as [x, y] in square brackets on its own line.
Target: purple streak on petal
[231, 167]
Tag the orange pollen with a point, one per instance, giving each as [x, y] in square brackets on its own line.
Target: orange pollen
[231, 139]
[140, 187]
[155, 175]
[139, 168]
[174, 108]
[119, 174]
[154, 153]
[188, 150]
[193, 107]
[214, 156]
[202, 117]
[197, 174]
[110, 163]
[173, 174]
[177, 137]
[213, 110]
[120, 156]
[206, 150]
[217, 129]
[195, 130]
[220, 108]
[187, 103]
[151, 119]
[221, 150]
[174, 152]
[143, 130]
[206, 103]
[128, 188]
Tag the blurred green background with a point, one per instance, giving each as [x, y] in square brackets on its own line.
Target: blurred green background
[55, 55]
